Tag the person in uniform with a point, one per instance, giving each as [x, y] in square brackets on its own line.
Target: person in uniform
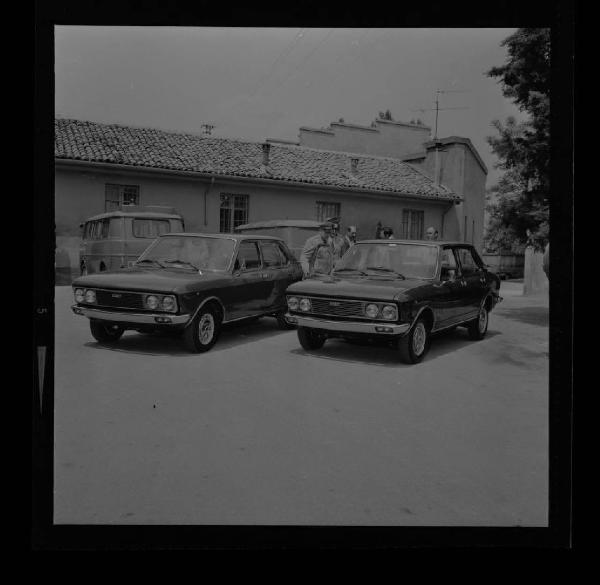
[317, 255]
[338, 242]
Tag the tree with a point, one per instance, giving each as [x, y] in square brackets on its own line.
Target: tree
[522, 199]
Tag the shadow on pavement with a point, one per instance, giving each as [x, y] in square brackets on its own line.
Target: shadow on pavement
[530, 315]
[382, 354]
[232, 335]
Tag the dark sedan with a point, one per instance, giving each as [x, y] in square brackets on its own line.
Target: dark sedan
[190, 284]
[399, 290]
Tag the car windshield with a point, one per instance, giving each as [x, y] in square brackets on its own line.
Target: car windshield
[190, 252]
[393, 259]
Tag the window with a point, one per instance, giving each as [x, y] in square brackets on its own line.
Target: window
[273, 256]
[248, 257]
[150, 228]
[447, 259]
[467, 262]
[117, 195]
[327, 209]
[233, 212]
[413, 222]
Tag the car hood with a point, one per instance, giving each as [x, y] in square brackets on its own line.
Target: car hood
[372, 288]
[151, 280]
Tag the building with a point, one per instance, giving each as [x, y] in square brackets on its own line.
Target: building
[219, 183]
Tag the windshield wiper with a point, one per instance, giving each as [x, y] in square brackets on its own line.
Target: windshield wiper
[387, 270]
[150, 260]
[176, 261]
[351, 270]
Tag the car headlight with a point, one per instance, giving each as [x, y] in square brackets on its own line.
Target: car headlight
[371, 311]
[79, 295]
[292, 303]
[168, 304]
[152, 301]
[90, 296]
[389, 312]
[304, 305]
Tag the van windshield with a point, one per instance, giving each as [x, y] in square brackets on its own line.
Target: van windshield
[195, 252]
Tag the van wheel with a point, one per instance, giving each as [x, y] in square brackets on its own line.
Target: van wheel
[478, 327]
[310, 339]
[415, 344]
[105, 332]
[202, 333]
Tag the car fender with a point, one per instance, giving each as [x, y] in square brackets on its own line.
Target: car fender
[204, 301]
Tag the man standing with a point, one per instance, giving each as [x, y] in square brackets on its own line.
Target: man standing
[350, 236]
[338, 242]
[317, 254]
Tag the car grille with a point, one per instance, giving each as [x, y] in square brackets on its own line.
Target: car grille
[337, 307]
[124, 300]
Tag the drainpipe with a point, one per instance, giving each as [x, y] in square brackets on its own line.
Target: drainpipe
[212, 182]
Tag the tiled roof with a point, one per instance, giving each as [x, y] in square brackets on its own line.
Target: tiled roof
[157, 149]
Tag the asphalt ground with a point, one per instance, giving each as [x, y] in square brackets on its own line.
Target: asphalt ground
[259, 431]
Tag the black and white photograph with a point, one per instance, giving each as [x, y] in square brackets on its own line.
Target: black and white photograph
[301, 277]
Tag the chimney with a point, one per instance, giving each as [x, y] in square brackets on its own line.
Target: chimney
[266, 147]
[354, 166]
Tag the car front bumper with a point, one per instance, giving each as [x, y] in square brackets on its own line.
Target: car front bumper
[133, 318]
[368, 328]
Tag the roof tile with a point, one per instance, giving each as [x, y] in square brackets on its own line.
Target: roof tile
[148, 147]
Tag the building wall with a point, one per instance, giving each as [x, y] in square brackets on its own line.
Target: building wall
[79, 194]
[459, 170]
[387, 139]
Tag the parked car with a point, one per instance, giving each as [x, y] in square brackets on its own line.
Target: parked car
[190, 284]
[294, 232]
[396, 290]
[117, 238]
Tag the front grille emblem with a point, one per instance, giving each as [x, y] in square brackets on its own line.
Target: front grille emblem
[116, 295]
[334, 303]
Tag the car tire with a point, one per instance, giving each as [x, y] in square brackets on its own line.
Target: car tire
[202, 333]
[310, 338]
[477, 328]
[415, 344]
[105, 332]
[282, 323]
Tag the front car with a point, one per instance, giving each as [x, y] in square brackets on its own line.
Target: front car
[395, 290]
[183, 283]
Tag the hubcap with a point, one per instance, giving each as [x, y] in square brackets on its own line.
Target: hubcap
[206, 328]
[483, 318]
[419, 338]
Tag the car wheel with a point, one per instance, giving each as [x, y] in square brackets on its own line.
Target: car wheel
[415, 344]
[105, 332]
[282, 323]
[310, 339]
[202, 333]
[478, 327]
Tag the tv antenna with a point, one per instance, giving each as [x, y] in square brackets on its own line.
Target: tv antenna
[437, 108]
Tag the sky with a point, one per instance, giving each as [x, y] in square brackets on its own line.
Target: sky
[258, 83]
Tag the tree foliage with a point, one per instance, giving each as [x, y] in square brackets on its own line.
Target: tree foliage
[519, 207]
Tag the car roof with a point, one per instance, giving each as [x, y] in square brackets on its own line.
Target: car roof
[274, 223]
[223, 236]
[424, 242]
